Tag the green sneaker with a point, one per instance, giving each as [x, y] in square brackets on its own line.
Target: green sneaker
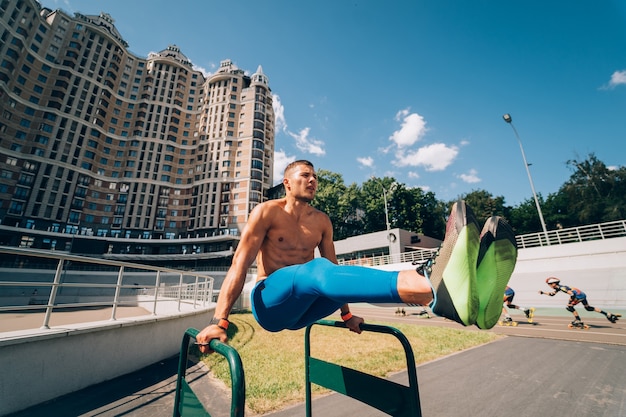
[453, 272]
[496, 261]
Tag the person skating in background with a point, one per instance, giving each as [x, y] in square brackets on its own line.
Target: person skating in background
[509, 294]
[575, 296]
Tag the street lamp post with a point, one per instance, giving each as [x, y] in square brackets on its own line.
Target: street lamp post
[385, 200]
[507, 118]
[390, 236]
[388, 225]
[386, 208]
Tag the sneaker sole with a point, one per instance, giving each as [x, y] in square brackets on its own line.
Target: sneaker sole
[495, 264]
[453, 273]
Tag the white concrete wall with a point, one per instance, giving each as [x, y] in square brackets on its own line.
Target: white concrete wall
[596, 267]
[39, 365]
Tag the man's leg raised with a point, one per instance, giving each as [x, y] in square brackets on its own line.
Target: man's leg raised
[298, 295]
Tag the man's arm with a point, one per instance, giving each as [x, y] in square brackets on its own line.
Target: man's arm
[249, 245]
[327, 250]
[326, 245]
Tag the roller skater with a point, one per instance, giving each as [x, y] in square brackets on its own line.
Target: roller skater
[509, 294]
[576, 296]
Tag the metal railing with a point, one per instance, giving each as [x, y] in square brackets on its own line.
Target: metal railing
[418, 256]
[573, 234]
[553, 237]
[116, 284]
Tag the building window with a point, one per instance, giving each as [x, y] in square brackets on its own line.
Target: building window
[16, 207]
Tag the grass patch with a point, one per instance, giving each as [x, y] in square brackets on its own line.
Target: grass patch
[274, 362]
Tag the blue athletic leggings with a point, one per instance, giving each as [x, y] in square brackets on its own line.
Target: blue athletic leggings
[296, 296]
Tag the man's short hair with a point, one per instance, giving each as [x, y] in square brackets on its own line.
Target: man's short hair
[296, 163]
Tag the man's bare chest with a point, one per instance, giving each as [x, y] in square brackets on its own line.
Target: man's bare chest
[295, 238]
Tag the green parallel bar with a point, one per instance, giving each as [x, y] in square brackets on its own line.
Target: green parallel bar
[387, 396]
[186, 403]
[190, 405]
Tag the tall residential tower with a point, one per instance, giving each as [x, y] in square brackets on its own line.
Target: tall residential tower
[97, 141]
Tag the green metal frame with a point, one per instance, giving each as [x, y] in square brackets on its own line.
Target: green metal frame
[387, 396]
[186, 403]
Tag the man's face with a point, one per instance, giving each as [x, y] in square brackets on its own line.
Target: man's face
[301, 182]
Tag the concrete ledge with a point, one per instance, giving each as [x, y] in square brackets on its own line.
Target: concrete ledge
[64, 359]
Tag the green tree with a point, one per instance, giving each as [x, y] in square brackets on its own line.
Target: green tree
[327, 199]
[525, 218]
[556, 213]
[339, 202]
[408, 208]
[434, 214]
[404, 207]
[415, 210]
[485, 205]
[594, 193]
[373, 203]
[352, 221]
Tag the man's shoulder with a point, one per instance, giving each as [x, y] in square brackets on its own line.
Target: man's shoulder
[319, 213]
[281, 203]
[271, 205]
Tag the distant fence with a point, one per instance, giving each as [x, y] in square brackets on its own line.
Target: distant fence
[552, 237]
[573, 234]
[417, 257]
[66, 285]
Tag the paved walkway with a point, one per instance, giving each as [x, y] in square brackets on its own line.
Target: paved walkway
[34, 319]
[522, 377]
[525, 376]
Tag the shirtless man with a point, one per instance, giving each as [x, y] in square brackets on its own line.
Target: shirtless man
[295, 289]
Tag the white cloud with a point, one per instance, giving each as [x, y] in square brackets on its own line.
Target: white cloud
[618, 77]
[366, 161]
[413, 174]
[204, 71]
[435, 157]
[281, 160]
[471, 177]
[279, 113]
[412, 130]
[303, 141]
[306, 144]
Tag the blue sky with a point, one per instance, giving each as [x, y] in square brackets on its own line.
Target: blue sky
[414, 89]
